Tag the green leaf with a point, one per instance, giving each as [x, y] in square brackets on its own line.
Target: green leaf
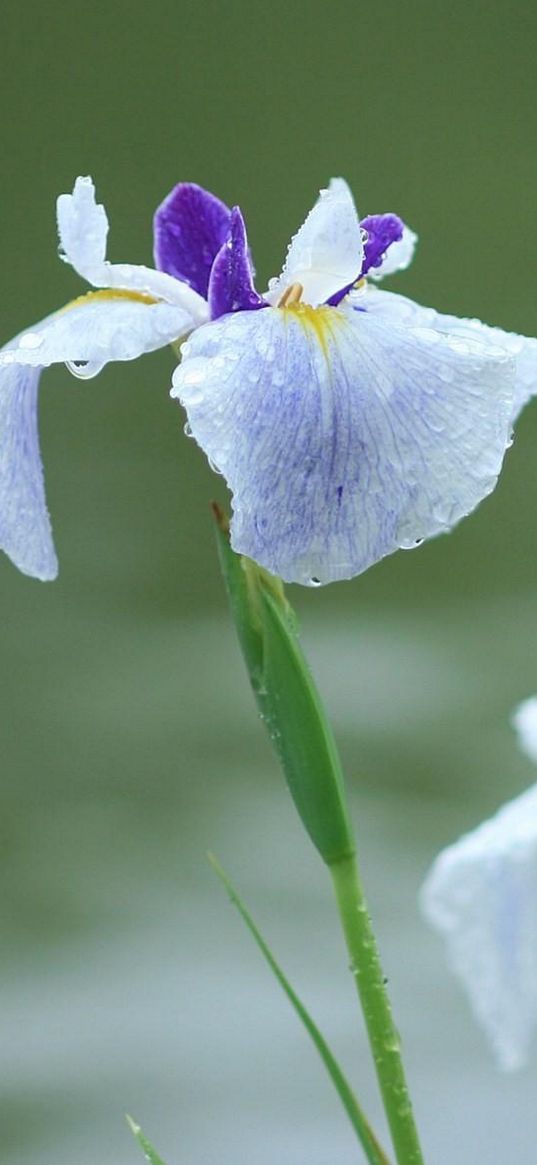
[373, 1151]
[302, 737]
[148, 1150]
[288, 699]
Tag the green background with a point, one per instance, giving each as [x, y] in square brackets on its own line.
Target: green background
[129, 740]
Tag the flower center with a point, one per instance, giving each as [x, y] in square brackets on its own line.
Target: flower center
[291, 295]
[321, 321]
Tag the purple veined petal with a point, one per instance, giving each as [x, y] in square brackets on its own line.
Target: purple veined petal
[231, 285]
[25, 530]
[481, 895]
[86, 336]
[342, 438]
[523, 349]
[190, 227]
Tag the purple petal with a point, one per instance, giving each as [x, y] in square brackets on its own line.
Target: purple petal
[189, 228]
[231, 285]
[382, 231]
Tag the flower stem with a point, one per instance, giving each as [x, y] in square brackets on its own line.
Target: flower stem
[298, 726]
[370, 982]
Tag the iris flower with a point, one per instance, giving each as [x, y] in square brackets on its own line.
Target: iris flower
[481, 895]
[347, 421]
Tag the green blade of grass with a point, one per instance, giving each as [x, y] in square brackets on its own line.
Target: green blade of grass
[147, 1149]
[373, 1151]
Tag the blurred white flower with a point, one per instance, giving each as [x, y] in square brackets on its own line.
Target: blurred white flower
[524, 721]
[481, 895]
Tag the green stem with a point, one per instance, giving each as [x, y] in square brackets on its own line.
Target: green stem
[383, 1036]
[302, 737]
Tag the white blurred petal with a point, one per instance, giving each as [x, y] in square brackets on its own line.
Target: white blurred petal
[327, 252]
[98, 331]
[524, 720]
[83, 230]
[522, 349]
[342, 438]
[25, 531]
[481, 895]
[398, 256]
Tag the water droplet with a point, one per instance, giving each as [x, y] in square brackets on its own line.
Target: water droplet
[194, 375]
[314, 582]
[85, 369]
[31, 340]
[214, 467]
[410, 543]
[187, 430]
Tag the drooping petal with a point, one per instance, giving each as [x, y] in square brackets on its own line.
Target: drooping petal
[326, 254]
[83, 230]
[481, 895]
[96, 330]
[231, 284]
[343, 439]
[25, 531]
[398, 256]
[190, 226]
[523, 349]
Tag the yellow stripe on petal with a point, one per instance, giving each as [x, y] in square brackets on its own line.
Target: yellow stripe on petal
[110, 293]
[322, 321]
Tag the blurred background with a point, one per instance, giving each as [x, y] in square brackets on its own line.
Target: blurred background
[130, 744]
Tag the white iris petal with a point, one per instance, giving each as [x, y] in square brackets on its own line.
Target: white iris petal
[327, 252]
[481, 895]
[523, 350]
[99, 330]
[137, 310]
[343, 439]
[83, 230]
[88, 335]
